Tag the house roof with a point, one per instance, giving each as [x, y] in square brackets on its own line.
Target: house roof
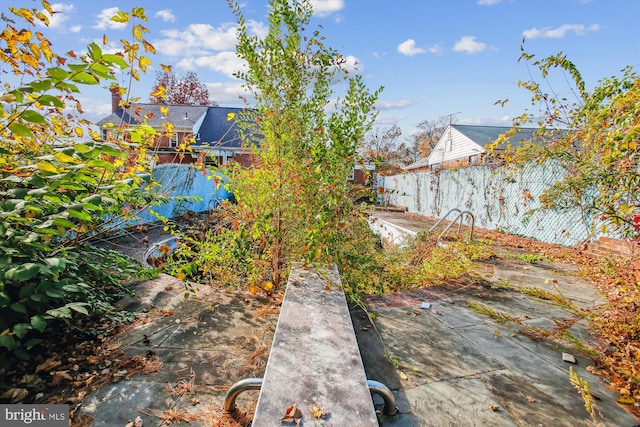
[182, 116]
[483, 136]
[218, 130]
[211, 125]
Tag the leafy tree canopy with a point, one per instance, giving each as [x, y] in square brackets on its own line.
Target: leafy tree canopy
[598, 148]
[186, 90]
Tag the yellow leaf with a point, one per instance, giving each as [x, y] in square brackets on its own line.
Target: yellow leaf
[254, 290]
[47, 7]
[166, 68]
[46, 167]
[230, 116]
[267, 286]
[160, 92]
[78, 131]
[7, 97]
[144, 62]
[626, 400]
[63, 157]
[317, 412]
[35, 50]
[105, 40]
[148, 47]
[45, 46]
[181, 276]
[633, 145]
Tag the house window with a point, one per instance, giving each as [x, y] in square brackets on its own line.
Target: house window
[173, 140]
[474, 159]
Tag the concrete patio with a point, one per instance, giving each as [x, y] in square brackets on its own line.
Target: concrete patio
[447, 364]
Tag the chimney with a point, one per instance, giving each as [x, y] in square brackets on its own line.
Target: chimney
[116, 97]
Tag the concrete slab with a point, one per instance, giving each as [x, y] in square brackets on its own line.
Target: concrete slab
[428, 351]
[449, 365]
[455, 402]
[314, 359]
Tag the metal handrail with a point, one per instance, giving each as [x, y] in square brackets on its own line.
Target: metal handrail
[241, 386]
[443, 218]
[460, 216]
[383, 391]
[237, 388]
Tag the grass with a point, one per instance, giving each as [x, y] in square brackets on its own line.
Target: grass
[497, 315]
[528, 258]
[554, 297]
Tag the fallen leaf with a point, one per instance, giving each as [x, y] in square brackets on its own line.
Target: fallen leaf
[48, 365]
[137, 422]
[626, 400]
[292, 414]
[494, 408]
[403, 376]
[317, 412]
[530, 399]
[15, 395]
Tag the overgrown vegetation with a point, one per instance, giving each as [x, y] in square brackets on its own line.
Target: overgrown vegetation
[59, 187]
[598, 149]
[295, 202]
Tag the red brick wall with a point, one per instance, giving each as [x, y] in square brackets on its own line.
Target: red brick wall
[244, 159]
[606, 246]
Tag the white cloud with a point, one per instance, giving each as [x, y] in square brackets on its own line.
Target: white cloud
[488, 2]
[227, 94]
[392, 105]
[62, 12]
[166, 15]
[226, 63]
[435, 49]
[352, 65]
[197, 39]
[389, 119]
[560, 32]
[408, 48]
[75, 28]
[326, 7]
[257, 28]
[202, 39]
[469, 44]
[104, 21]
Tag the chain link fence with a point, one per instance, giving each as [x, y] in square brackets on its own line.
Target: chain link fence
[499, 197]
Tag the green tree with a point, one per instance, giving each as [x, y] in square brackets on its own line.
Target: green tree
[295, 202]
[56, 192]
[598, 146]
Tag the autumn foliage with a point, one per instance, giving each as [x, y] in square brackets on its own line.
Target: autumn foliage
[174, 90]
[60, 185]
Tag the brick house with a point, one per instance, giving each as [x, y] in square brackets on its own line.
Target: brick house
[214, 134]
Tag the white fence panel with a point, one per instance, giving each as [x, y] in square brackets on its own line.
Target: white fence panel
[500, 198]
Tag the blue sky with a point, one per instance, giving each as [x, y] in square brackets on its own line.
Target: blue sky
[433, 57]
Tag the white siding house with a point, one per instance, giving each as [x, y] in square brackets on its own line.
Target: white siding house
[465, 144]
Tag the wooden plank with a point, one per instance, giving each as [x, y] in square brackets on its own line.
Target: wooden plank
[314, 359]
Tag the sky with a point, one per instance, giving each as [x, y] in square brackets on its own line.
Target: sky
[434, 58]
